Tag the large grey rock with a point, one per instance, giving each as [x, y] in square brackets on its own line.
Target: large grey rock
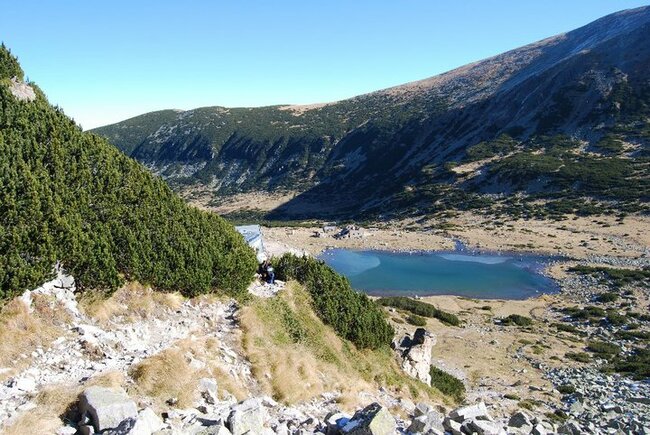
[484, 427]
[571, 427]
[415, 354]
[421, 409]
[106, 407]
[519, 419]
[371, 420]
[478, 411]
[431, 422]
[246, 416]
[419, 424]
[452, 426]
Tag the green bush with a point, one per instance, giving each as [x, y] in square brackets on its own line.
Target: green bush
[566, 389]
[419, 308]
[603, 348]
[565, 327]
[70, 197]
[516, 319]
[352, 315]
[617, 277]
[415, 320]
[586, 313]
[447, 384]
[615, 318]
[578, 356]
[607, 297]
[632, 335]
[636, 365]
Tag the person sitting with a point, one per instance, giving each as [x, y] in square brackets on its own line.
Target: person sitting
[266, 272]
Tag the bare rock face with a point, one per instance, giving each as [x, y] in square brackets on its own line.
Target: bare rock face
[21, 90]
[415, 354]
[107, 408]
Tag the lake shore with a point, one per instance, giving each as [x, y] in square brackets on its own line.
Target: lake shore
[507, 365]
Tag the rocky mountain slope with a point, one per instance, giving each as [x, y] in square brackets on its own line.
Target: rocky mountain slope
[565, 120]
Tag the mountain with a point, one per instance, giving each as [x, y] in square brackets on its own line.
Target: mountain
[561, 125]
[71, 198]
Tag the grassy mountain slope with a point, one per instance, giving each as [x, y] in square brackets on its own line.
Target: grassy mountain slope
[71, 197]
[563, 121]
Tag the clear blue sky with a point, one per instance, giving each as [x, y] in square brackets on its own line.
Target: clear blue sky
[110, 60]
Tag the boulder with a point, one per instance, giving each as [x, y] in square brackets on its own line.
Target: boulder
[452, 426]
[431, 422]
[478, 412]
[371, 420]
[147, 423]
[421, 409]
[246, 416]
[484, 427]
[571, 427]
[415, 354]
[519, 419]
[419, 425]
[208, 389]
[106, 407]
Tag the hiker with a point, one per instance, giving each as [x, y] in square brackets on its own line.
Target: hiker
[266, 271]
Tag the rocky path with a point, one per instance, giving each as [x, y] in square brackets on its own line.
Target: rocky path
[87, 349]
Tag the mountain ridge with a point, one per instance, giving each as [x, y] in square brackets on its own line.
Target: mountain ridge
[404, 136]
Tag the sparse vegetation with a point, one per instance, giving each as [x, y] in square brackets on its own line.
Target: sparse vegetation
[419, 308]
[516, 319]
[415, 320]
[578, 356]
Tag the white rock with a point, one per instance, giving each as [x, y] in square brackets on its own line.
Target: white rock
[147, 423]
[27, 385]
[66, 430]
[208, 389]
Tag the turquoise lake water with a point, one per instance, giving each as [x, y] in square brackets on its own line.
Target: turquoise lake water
[473, 275]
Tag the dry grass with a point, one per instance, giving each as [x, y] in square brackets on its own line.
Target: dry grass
[132, 302]
[53, 403]
[152, 375]
[295, 357]
[167, 375]
[22, 331]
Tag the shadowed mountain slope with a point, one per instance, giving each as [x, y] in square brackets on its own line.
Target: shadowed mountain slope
[565, 120]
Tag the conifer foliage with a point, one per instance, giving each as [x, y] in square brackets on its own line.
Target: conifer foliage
[71, 197]
[352, 315]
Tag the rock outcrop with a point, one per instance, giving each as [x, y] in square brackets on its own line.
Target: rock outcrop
[21, 90]
[415, 354]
